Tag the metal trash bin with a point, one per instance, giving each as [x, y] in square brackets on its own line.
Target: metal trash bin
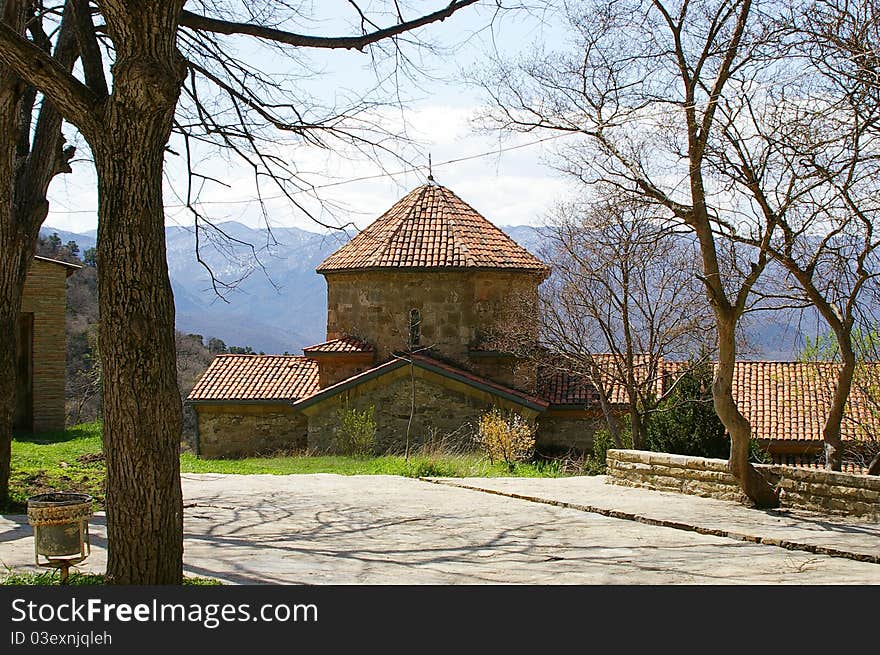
[61, 529]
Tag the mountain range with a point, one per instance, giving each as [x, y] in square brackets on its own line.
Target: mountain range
[265, 293]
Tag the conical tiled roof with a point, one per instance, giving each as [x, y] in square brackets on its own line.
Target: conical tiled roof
[431, 227]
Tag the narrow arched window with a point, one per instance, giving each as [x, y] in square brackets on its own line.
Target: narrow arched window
[415, 327]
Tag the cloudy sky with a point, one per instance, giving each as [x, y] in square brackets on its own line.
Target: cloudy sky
[508, 179]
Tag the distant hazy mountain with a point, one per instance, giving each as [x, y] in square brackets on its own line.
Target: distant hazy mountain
[277, 303]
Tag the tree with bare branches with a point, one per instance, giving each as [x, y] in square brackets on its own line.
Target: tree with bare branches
[33, 153]
[622, 299]
[127, 125]
[816, 131]
[643, 88]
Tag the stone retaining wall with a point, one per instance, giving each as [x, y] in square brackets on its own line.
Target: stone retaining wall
[817, 490]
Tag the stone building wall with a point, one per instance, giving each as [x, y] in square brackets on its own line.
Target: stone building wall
[560, 430]
[812, 489]
[45, 297]
[335, 368]
[504, 369]
[441, 413]
[456, 307]
[245, 430]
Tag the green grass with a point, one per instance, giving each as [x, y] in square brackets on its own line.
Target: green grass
[48, 578]
[72, 461]
[451, 466]
[65, 461]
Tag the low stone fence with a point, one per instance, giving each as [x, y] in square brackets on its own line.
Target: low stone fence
[817, 490]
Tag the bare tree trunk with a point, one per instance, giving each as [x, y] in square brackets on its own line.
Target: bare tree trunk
[874, 466]
[610, 419]
[142, 410]
[753, 483]
[12, 269]
[142, 407]
[32, 154]
[841, 326]
[831, 432]
[635, 422]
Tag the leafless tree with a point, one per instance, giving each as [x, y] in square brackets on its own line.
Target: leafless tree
[127, 125]
[816, 131]
[646, 94]
[622, 299]
[33, 152]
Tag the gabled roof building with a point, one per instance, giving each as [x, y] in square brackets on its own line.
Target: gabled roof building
[410, 302]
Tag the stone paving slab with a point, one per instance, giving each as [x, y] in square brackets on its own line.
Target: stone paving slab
[794, 529]
[330, 529]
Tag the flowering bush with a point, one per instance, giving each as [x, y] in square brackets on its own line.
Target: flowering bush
[506, 437]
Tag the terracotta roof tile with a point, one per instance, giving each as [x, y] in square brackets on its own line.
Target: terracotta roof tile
[789, 401]
[436, 366]
[257, 377]
[783, 401]
[343, 345]
[431, 227]
[561, 387]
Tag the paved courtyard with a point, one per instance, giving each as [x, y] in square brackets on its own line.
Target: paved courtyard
[329, 529]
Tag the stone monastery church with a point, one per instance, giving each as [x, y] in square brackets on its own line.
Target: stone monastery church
[409, 302]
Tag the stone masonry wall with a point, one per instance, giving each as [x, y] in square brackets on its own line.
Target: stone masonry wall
[229, 431]
[817, 490]
[45, 295]
[559, 432]
[456, 307]
[510, 371]
[333, 369]
[440, 414]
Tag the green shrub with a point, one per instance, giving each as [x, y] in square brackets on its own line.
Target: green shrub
[356, 434]
[596, 463]
[686, 422]
[506, 437]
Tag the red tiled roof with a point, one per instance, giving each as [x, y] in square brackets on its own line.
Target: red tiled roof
[783, 401]
[789, 401]
[257, 377]
[562, 387]
[431, 227]
[343, 345]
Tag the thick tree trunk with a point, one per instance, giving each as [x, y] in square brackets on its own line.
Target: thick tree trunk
[874, 466]
[13, 269]
[142, 407]
[13, 263]
[831, 431]
[752, 482]
[142, 410]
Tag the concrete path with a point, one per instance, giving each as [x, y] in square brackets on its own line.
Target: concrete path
[321, 529]
[789, 528]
